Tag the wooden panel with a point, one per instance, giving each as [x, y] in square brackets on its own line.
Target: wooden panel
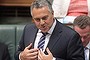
[15, 2]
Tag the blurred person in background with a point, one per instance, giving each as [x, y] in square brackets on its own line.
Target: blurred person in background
[67, 10]
[82, 26]
[4, 53]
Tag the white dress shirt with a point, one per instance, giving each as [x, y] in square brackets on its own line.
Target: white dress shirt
[87, 52]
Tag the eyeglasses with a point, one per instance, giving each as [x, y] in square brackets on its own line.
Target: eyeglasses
[43, 18]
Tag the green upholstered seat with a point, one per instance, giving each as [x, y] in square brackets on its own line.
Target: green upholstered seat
[19, 30]
[7, 36]
[11, 35]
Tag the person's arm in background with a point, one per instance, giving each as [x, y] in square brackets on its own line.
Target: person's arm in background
[4, 52]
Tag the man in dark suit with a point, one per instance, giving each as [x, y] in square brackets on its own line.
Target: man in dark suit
[61, 42]
[82, 26]
[4, 53]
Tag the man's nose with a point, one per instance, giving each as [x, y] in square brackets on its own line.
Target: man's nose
[42, 21]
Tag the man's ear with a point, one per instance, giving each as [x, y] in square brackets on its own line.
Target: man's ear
[52, 12]
[32, 20]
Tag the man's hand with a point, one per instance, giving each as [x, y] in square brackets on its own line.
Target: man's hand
[43, 56]
[29, 54]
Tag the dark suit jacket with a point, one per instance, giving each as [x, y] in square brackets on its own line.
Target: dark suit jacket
[65, 43]
[4, 53]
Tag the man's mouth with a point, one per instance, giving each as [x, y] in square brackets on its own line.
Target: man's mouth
[43, 28]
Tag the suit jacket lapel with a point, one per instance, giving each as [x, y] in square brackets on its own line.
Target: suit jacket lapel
[33, 39]
[55, 36]
[32, 35]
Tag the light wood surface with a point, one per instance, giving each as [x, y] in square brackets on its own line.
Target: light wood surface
[15, 2]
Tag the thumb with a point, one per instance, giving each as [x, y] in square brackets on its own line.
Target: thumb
[48, 51]
[29, 46]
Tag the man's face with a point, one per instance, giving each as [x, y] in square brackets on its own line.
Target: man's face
[84, 34]
[42, 18]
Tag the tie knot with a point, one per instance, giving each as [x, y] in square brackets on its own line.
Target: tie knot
[44, 33]
[86, 48]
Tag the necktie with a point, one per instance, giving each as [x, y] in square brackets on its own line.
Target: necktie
[42, 41]
[86, 53]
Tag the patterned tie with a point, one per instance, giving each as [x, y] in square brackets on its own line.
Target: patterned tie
[42, 41]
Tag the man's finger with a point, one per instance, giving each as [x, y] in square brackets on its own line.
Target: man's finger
[29, 46]
[41, 52]
[48, 51]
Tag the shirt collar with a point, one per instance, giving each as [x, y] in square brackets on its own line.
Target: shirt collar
[88, 45]
[52, 28]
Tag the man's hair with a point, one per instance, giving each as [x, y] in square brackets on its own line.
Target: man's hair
[82, 21]
[41, 3]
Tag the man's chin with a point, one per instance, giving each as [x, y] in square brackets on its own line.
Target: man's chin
[44, 30]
